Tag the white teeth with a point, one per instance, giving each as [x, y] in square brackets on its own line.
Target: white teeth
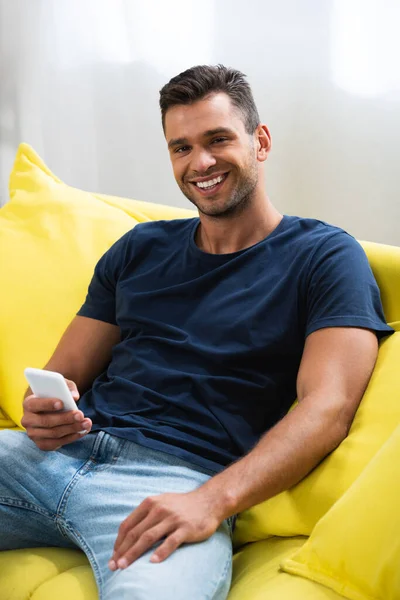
[210, 182]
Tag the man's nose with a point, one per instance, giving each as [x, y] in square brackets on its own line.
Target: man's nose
[202, 160]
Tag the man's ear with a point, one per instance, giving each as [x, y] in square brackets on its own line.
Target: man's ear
[263, 142]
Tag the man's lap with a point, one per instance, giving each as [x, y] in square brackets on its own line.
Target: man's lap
[85, 490]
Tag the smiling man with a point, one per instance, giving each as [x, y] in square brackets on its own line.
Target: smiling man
[195, 338]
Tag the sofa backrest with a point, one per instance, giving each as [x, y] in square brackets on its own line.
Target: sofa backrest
[385, 264]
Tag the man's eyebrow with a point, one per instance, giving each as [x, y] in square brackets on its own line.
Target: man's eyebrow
[177, 142]
[209, 133]
[216, 131]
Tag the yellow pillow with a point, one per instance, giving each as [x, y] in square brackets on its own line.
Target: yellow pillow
[5, 421]
[147, 211]
[296, 511]
[51, 236]
[355, 548]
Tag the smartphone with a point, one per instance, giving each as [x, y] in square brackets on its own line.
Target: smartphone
[48, 384]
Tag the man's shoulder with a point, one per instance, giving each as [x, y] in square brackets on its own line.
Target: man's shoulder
[311, 228]
[306, 242]
[312, 235]
[152, 237]
[163, 229]
[145, 238]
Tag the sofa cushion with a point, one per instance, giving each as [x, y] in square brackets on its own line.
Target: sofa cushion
[55, 573]
[385, 264]
[51, 236]
[355, 548]
[36, 573]
[257, 574]
[297, 511]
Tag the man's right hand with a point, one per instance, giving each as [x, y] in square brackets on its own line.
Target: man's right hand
[47, 426]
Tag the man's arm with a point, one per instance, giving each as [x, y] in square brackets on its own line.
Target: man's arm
[336, 366]
[83, 352]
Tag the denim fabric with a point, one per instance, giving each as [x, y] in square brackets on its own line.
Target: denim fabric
[80, 494]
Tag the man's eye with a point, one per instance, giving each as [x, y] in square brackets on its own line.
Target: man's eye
[218, 140]
[181, 149]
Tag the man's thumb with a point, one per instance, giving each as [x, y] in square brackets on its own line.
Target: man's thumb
[72, 387]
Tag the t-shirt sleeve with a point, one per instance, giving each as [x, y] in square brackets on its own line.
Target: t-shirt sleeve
[341, 290]
[100, 301]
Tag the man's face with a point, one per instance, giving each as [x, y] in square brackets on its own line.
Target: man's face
[214, 159]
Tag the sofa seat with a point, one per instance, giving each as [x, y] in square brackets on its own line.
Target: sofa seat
[257, 576]
[63, 574]
[46, 574]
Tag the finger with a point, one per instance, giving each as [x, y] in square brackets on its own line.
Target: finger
[132, 536]
[130, 522]
[35, 404]
[148, 539]
[54, 419]
[58, 432]
[169, 546]
[54, 444]
[72, 387]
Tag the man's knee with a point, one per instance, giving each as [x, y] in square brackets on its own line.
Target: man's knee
[200, 571]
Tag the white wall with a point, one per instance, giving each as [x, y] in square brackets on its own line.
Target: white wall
[80, 80]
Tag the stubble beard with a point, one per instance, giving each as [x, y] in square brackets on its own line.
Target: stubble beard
[241, 197]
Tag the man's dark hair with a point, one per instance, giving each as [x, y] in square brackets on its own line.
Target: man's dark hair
[198, 82]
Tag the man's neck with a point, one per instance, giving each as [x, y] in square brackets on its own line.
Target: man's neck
[224, 235]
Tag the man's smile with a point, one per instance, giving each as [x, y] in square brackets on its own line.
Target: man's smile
[209, 185]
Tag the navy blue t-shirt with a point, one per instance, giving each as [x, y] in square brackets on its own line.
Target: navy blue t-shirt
[211, 344]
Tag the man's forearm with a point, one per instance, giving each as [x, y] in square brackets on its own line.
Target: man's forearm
[283, 456]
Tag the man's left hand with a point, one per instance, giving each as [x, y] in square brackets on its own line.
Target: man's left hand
[177, 518]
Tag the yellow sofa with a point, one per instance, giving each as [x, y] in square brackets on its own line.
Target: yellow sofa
[335, 535]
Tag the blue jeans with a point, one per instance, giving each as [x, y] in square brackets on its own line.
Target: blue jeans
[80, 494]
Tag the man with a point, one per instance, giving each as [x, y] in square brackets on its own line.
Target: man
[194, 340]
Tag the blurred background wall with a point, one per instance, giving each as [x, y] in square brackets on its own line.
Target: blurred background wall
[79, 81]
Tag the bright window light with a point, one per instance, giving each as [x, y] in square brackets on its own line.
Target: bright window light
[168, 35]
[366, 46]
[173, 35]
